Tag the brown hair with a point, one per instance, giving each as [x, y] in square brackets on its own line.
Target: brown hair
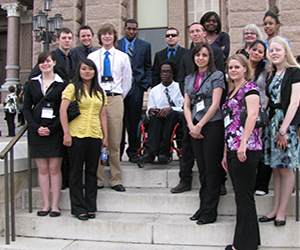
[44, 55]
[211, 63]
[107, 27]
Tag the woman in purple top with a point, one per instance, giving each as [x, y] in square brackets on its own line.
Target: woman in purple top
[212, 24]
[243, 151]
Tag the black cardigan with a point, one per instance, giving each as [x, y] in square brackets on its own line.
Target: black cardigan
[292, 75]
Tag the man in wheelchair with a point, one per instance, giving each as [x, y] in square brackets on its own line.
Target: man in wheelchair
[164, 111]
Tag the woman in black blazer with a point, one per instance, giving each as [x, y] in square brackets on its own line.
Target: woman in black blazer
[41, 110]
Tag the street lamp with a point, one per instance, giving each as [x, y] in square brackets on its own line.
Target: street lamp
[44, 28]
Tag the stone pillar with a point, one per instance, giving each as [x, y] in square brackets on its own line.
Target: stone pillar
[13, 43]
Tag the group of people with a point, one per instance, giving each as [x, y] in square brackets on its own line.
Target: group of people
[188, 86]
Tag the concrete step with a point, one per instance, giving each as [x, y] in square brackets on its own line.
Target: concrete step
[26, 243]
[150, 229]
[158, 200]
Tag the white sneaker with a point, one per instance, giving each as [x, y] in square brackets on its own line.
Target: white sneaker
[260, 193]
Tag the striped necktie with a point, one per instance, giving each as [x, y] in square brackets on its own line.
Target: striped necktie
[130, 52]
[171, 103]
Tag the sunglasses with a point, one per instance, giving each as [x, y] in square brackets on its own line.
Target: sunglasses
[171, 35]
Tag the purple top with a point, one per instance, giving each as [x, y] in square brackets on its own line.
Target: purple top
[199, 76]
[234, 131]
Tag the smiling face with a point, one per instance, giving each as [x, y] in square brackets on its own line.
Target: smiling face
[131, 31]
[257, 53]
[202, 59]
[250, 36]
[211, 24]
[236, 70]
[86, 37]
[107, 40]
[47, 66]
[172, 38]
[270, 26]
[86, 73]
[277, 53]
[197, 34]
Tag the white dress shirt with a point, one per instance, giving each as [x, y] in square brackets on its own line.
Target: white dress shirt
[120, 69]
[158, 98]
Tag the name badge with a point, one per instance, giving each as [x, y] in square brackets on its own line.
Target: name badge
[227, 120]
[200, 106]
[47, 113]
[106, 86]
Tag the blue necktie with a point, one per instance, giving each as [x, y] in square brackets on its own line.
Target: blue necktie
[106, 70]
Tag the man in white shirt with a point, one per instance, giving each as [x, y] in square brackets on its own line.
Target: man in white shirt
[114, 76]
[164, 110]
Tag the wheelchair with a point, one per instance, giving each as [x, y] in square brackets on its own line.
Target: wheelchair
[177, 135]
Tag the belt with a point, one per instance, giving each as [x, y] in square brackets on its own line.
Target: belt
[112, 94]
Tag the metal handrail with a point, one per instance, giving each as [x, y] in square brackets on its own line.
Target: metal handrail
[3, 155]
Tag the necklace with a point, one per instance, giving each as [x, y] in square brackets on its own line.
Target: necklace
[281, 73]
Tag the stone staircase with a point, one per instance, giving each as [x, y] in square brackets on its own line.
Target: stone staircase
[146, 216]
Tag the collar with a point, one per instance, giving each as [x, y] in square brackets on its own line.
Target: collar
[176, 48]
[111, 50]
[127, 42]
[61, 52]
[56, 78]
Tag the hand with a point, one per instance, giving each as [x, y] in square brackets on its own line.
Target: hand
[224, 162]
[195, 132]
[43, 131]
[152, 111]
[67, 140]
[241, 153]
[281, 141]
[164, 112]
[105, 142]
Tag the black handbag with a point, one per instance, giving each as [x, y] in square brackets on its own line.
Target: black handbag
[73, 110]
[262, 118]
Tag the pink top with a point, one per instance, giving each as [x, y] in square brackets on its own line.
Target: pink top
[198, 77]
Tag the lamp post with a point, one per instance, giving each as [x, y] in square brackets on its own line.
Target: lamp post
[44, 28]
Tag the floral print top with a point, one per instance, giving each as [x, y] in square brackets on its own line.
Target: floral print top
[234, 131]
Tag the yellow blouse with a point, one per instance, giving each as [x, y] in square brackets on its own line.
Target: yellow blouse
[87, 124]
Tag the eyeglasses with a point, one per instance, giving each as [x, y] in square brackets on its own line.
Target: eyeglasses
[171, 35]
[250, 33]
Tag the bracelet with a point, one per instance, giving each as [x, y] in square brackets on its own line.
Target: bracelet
[282, 134]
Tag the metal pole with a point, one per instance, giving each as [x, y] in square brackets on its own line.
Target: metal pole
[297, 194]
[6, 201]
[46, 42]
[12, 195]
[29, 180]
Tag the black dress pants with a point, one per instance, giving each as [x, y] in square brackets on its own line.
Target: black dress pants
[84, 150]
[160, 132]
[209, 153]
[10, 120]
[243, 175]
[263, 177]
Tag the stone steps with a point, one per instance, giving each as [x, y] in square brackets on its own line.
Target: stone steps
[150, 229]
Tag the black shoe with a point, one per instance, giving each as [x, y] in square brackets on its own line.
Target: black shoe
[100, 187]
[82, 217]
[180, 188]
[63, 187]
[229, 247]
[43, 213]
[146, 158]
[203, 222]
[193, 217]
[55, 213]
[92, 215]
[133, 159]
[119, 188]
[266, 219]
[162, 158]
[279, 223]
[223, 190]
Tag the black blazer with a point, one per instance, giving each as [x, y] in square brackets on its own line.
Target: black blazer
[161, 56]
[141, 62]
[59, 68]
[292, 75]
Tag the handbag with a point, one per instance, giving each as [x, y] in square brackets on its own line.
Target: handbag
[262, 118]
[73, 110]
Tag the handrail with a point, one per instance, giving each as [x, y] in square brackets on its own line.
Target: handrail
[3, 155]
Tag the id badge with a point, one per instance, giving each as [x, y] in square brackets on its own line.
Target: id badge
[227, 120]
[200, 106]
[47, 113]
[106, 86]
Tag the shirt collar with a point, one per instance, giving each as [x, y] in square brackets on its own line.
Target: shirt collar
[176, 48]
[56, 78]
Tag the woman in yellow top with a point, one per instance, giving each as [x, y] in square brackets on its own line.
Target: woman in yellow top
[84, 136]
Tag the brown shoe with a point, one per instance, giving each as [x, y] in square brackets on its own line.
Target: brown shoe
[181, 187]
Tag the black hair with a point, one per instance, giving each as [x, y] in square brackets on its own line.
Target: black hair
[260, 67]
[211, 63]
[207, 15]
[78, 83]
[85, 27]
[172, 28]
[173, 67]
[273, 15]
[131, 21]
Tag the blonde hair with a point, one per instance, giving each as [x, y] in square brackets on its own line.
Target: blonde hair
[289, 59]
[245, 63]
